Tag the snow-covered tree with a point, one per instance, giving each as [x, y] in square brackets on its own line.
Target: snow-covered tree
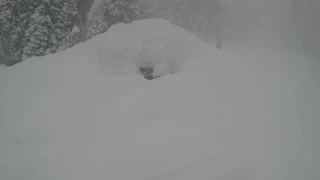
[1, 52]
[38, 27]
[98, 24]
[6, 51]
[1, 55]
[59, 29]
[71, 7]
[8, 19]
[72, 12]
[71, 39]
[15, 17]
[113, 12]
[123, 11]
[26, 10]
[37, 35]
[83, 7]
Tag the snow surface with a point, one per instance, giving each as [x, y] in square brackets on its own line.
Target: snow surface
[235, 113]
[149, 42]
[161, 69]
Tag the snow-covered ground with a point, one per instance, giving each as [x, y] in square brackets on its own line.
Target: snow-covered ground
[230, 114]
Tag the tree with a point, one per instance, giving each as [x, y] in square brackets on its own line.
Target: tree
[98, 24]
[8, 20]
[14, 18]
[26, 10]
[122, 11]
[1, 52]
[71, 39]
[73, 36]
[113, 12]
[71, 12]
[83, 7]
[37, 35]
[71, 7]
[59, 28]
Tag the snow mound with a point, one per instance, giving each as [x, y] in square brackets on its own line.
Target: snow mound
[162, 69]
[227, 115]
[149, 42]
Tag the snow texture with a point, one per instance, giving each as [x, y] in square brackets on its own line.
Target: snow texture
[229, 114]
[162, 69]
[149, 42]
[75, 29]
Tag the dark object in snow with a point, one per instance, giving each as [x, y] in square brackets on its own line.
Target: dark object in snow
[219, 45]
[149, 77]
[147, 72]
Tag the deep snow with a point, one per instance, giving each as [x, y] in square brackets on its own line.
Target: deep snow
[235, 113]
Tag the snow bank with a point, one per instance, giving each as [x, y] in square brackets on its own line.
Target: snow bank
[152, 41]
[162, 69]
[229, 114]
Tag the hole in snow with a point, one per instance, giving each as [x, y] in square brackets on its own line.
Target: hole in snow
[151, 71]
[147, 72]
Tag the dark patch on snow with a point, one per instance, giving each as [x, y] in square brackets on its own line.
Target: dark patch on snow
[147, 72]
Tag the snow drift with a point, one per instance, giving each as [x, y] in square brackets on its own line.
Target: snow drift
[230, 114]
[147, 42]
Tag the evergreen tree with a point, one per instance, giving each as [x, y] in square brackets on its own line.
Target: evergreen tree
[123, 11]
[71, 12]
[71, 39]
[7, 50]
[98, 24]
[14, 17]
[83, 7]
[59, 24]
[26, 10]
[37, 34]
[113, 12]
[73, 36]
[1, 52]
[2, 57]
[8, 16]
[71, 7]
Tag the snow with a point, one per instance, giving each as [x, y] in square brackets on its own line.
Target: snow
[161, 69]
[147, 41]
[75, 29]
[234, 113]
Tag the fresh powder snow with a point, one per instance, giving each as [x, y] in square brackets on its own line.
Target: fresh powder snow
[229, 114]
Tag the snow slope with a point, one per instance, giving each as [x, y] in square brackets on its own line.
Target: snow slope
[236, 113]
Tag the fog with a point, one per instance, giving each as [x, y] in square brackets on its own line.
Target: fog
[248, 109]
[289, 24]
